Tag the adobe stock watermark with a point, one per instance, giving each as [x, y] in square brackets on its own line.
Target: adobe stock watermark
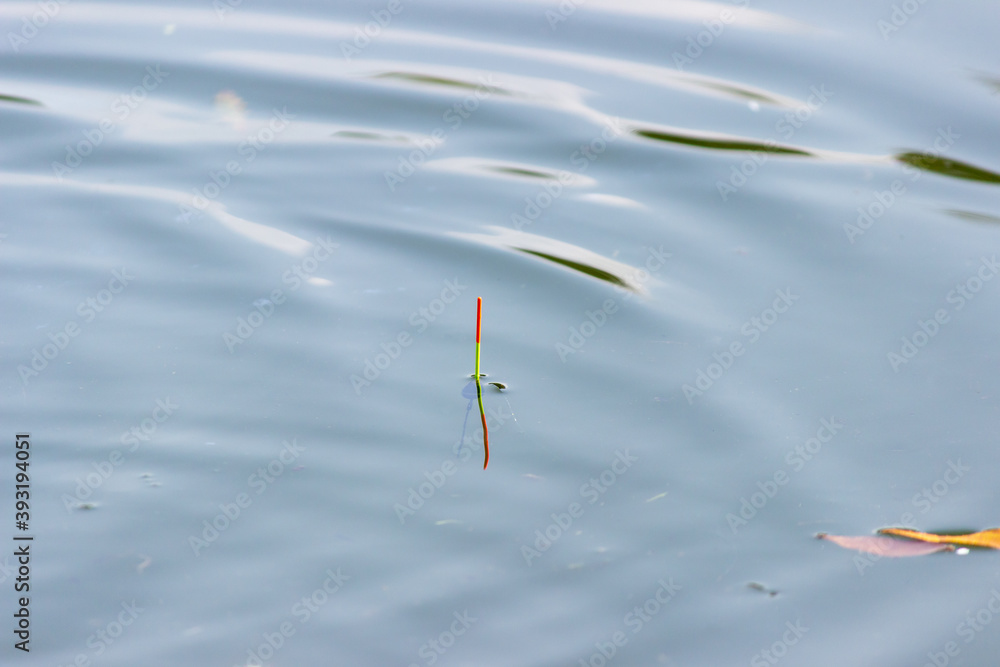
[104, 638]
[435, 647]
[885, 199]
[562, 13]
[303, 610]
[418, 495]
[968, 630]
[454, 116]
[752, 330]
[364, 35]
[296, 275]
[259, 482]
[926, 330]
[591, 491]
[495, 419]
[581, 159]
[579, 334]
[635, 620]
[223, 7]
[88, 310]
[248, 149]
[899, 16]
[933, 493]
[420, 320]
[7, 570]
[594, 320]
[924, 501]
[697, 44]
[779, 649]
[424, 491]
[796, 460]
[548, 193]
[32, 25]
[785, 127]
[121, 108]
[131, 438]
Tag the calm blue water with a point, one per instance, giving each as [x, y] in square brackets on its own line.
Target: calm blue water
[737, 265]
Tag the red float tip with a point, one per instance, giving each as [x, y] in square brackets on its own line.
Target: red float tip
[479, 317]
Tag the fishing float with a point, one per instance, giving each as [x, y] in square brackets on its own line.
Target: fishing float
[479, 387]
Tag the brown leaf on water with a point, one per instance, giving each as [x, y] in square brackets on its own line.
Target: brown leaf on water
[989, 539]
[885, 546]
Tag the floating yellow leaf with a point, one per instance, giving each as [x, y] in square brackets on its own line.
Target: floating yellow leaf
[989, 539]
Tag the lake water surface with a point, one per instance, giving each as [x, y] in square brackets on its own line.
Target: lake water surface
[737, 266]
